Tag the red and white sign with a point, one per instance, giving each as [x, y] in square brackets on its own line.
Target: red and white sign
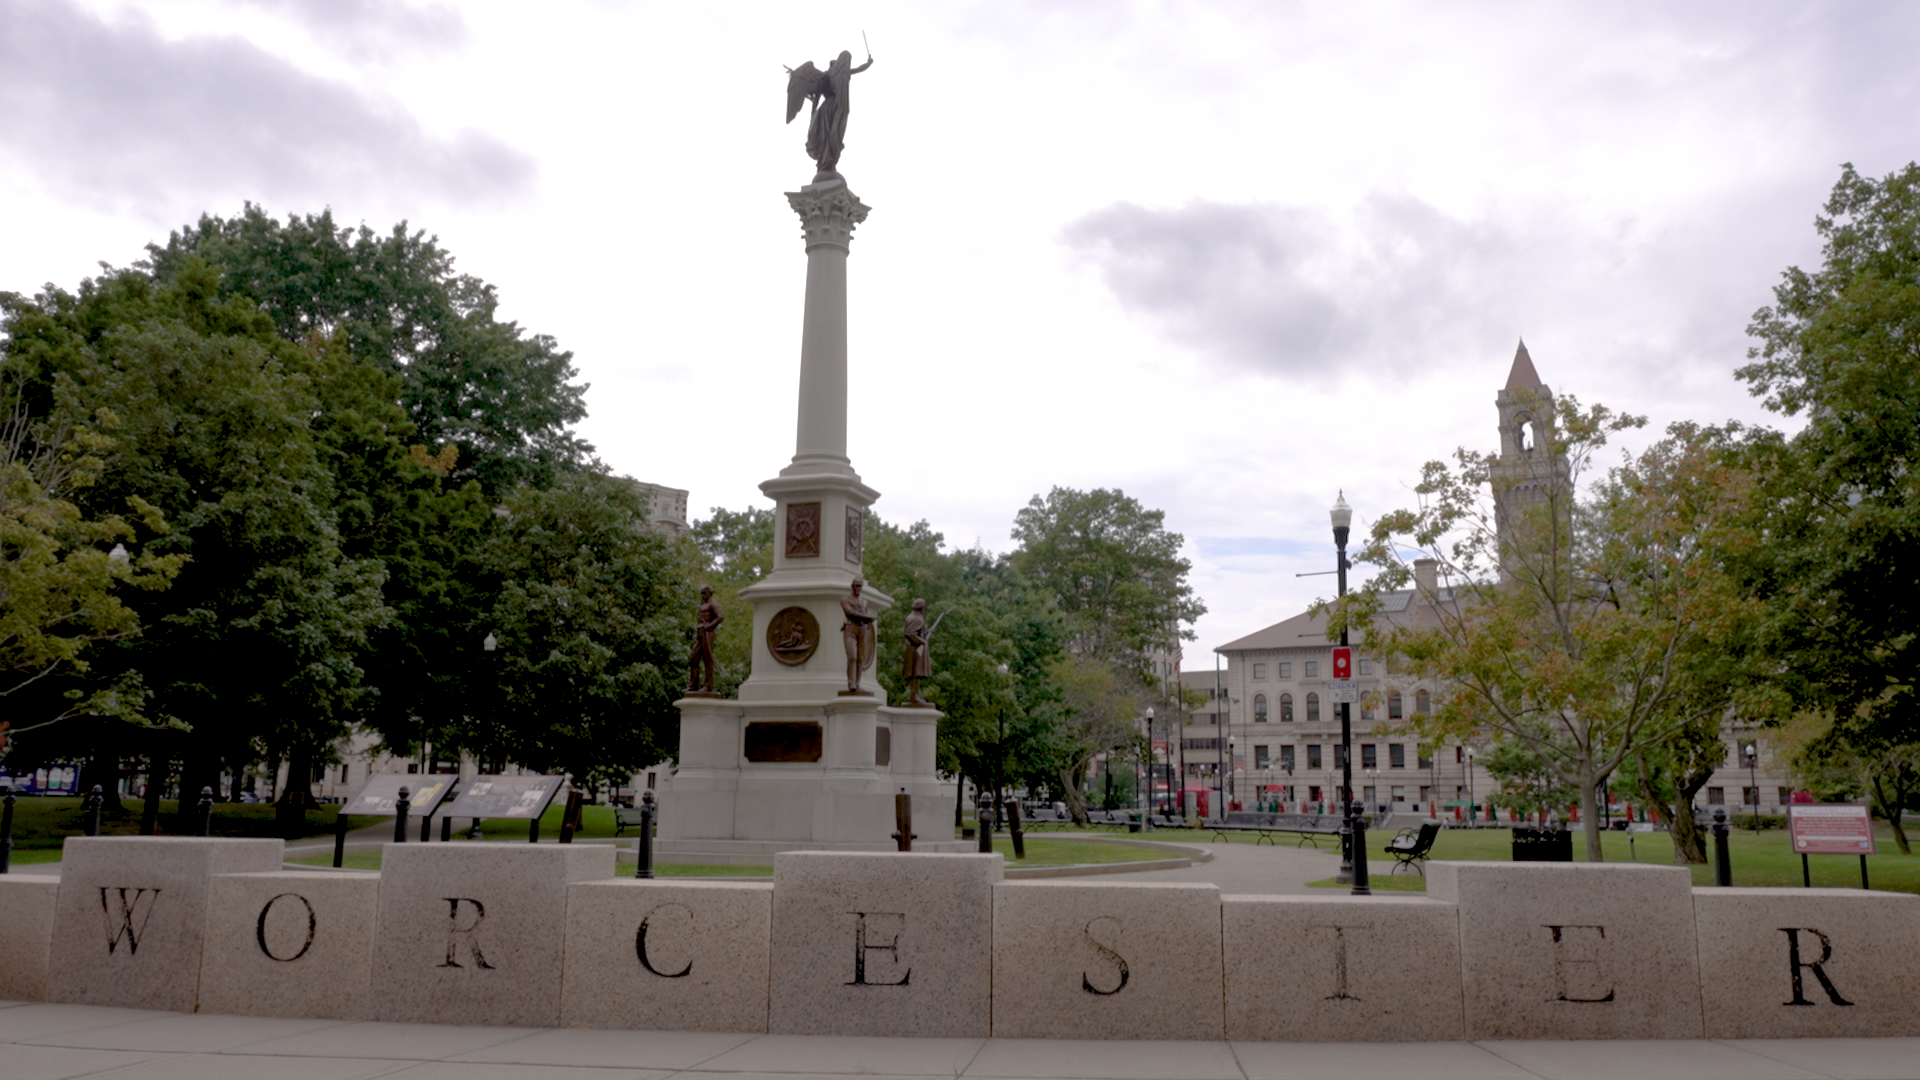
[1343, 663]
[1830, 830]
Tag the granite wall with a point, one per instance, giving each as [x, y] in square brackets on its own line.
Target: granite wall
[939, 945]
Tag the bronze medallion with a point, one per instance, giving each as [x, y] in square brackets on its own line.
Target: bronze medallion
[792, 635]
[855, 517]
[803, 530]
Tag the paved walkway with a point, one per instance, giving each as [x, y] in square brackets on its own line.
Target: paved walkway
[57, 1042]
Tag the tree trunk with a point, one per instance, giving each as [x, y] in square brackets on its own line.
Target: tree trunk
[959, 796]
[1590, 820]
[156, 782]
[290, 811]
[1889, 807]
[1076, 799]
[103, 768]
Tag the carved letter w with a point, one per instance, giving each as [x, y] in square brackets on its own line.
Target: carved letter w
[123, 923]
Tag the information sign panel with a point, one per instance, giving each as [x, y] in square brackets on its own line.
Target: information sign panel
[377, 796]
[1830, 830]
[523, 797]
[1340, 690]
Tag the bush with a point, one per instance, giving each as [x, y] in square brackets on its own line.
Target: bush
[1767, 821]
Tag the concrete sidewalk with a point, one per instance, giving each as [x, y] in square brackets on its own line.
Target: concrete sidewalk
[56, 1042]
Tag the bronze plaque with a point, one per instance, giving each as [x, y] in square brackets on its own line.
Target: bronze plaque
[882, 747]
[803, 530]
[792, 635]
[855, 518]
[783, 740]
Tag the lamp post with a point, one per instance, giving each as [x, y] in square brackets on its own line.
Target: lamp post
[1000, 769]
[1356, 822]
[1150, 756]
[1473, 808]
[1750, 757]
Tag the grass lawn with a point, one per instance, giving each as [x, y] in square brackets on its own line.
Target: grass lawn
[370, 860]
[41, 823]
[1762, 859]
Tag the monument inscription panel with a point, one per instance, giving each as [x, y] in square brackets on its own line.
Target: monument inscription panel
[783, 740]
[803, 530]
[505, 797]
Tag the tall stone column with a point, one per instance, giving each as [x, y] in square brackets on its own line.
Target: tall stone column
[828, 214]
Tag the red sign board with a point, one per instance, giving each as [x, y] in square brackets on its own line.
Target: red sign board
[1343, 663]
[1830, 830]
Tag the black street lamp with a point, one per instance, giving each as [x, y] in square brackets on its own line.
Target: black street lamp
[1750, 757]
[1356, 823]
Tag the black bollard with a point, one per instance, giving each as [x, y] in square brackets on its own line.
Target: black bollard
[400, 818]
[643, 846]
[903, 820]
[986, 823]
[204, 811]
[1722, 869]
[340, 836]
[92, 804]
[1014, 830]
[1357, 831]
[6, 828]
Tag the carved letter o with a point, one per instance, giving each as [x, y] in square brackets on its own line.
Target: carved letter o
[260, 928]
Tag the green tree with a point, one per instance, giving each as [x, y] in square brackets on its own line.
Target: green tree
[1585, 630]
[465, 378]
[592, 616]
[1840, 571]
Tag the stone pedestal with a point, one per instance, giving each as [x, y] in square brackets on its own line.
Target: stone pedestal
[697, 959]
[26, 932]
[291, 943]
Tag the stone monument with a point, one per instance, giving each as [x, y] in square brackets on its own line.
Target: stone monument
[811, 755]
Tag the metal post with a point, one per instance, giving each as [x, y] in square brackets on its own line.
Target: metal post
[903, 820]
[340, 836]
[92, 805]
[400, 818]
[1722, 868]
[985, 822]
[446, 829]
[643, 847]
[6, 827]
[205, 811]
[1863, 871]
[1806, 874]
[150, 804]
[426, 827]
[1013, 829]
[533, 830]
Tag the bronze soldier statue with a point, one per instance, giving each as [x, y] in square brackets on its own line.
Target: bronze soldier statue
[919, 658]
[706, 623]
[857, 633]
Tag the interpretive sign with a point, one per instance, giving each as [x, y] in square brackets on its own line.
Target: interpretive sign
[1830, 830]
[376, 797]
[524, 797]
[1340, 690]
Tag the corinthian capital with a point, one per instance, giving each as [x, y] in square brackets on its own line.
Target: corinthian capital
[828, 213]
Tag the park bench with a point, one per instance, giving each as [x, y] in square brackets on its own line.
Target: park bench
[1412, 847]
[625, 818]
[1111, 820]
[1167, 821]
[1039, 820]
[1308, 827]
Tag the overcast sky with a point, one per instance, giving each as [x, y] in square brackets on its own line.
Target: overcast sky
[1227, 257]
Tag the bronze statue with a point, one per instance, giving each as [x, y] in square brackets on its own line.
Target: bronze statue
[706, 623]
[857, 633]
[919, 658]
[827, 122]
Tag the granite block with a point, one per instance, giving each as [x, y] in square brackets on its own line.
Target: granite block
[26, 934]
[1574, 950]
[130, 921]
[667, 955]
[291, 943]
[1808, 963]
[473, 933]
[882, 944]
[1384, 968]
[1091, 960]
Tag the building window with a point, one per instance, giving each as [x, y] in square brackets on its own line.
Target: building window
[1422, 703]
[1313, 792]
[1286, 758]
[343, 773]
[1396, 756]
[1459, 755]
[1369, 707]
[1368, 758]
[1259, 671]
[1366, 795]
[1716, 796]
[1399, 793]
[1339, 756]
[1366, 667]
[1426, 756]
[1286, 670]
[1286, 708]
[1259, 708]
[1749, 796]
[1786, 796]
[1393, 705]
[1313, 707]
[1313, 757]
[1260, 757]
[1313, 669]
[1425, 793]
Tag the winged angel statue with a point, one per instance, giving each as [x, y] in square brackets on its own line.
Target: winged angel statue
[826, 91]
